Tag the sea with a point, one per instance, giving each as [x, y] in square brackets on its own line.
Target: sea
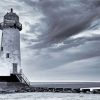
[49, 96]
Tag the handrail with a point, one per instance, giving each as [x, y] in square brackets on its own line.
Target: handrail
[23, 78]
[19, 78]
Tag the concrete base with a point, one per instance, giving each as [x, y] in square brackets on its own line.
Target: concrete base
[11, 78]
[13, 87]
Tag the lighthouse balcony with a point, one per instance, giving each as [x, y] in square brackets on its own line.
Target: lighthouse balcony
[11, 25]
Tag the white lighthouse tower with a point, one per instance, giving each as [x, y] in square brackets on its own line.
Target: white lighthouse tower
[10, 41]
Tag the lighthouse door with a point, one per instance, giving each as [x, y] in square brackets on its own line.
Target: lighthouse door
[14, 68]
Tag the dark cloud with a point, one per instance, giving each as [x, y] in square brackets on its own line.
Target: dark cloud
[63, 19]
[70, 43]
[66, 18]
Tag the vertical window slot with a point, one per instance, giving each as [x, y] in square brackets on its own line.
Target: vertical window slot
[7, 55]
[1, 48]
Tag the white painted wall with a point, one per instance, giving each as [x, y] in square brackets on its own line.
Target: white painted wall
[11, 44]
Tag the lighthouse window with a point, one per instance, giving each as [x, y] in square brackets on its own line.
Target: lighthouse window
[1, 48]
[7, 55]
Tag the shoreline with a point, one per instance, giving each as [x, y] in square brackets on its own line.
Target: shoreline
[48, 90]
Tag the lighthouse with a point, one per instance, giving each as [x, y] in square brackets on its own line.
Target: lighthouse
[10, 41]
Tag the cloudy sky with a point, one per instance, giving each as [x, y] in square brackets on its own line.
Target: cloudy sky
[60, 40]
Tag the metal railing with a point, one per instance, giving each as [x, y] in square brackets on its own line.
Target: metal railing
[23, 79]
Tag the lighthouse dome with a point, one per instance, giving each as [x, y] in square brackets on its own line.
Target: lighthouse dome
[11, 17]
[11, 20]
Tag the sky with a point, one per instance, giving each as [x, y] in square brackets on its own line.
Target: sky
[60, 39]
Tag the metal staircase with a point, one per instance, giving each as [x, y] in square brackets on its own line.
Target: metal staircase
[23, 79]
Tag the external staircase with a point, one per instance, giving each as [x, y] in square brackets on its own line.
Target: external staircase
[23, 79]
